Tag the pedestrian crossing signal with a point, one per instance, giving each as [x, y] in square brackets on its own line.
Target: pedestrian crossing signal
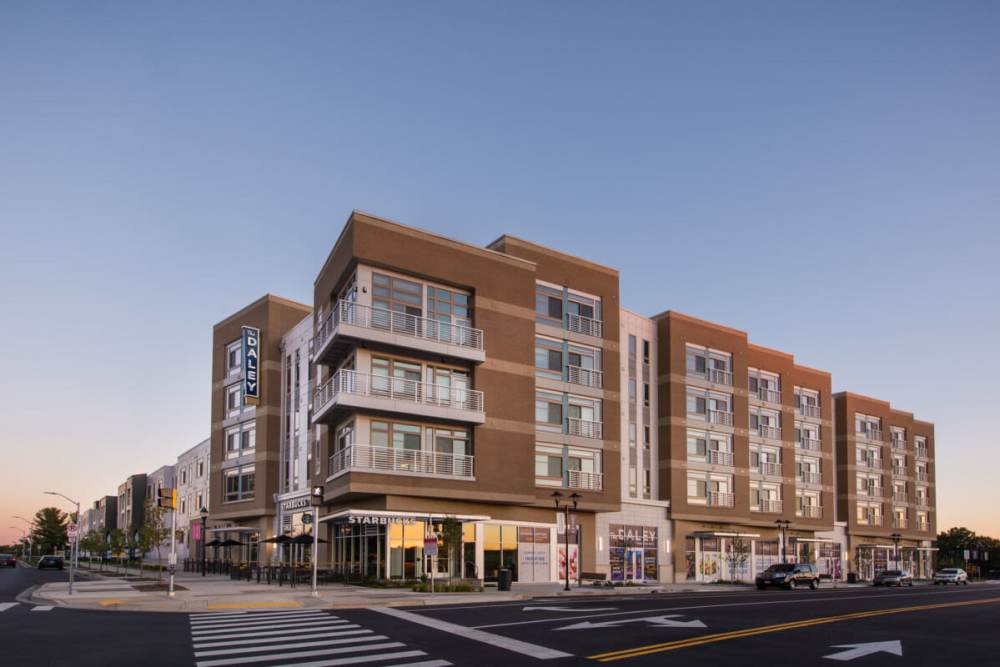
[167, 498]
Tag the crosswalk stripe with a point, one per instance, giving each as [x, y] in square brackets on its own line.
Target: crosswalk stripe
[265, 640]
[258, 619]
[265, 626]
[42, 607]
[270, 633]
[272, 622]
[357, 659]
[298, 654]
[4, 606]
[212, 618]
[425, 663]
[273, 647]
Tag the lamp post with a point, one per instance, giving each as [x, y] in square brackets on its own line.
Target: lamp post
[31, 524]
[315, 499]
[895, 551]
[574, 498]
[24, 537]
[76, 540]
[783, 527]
[204, 519]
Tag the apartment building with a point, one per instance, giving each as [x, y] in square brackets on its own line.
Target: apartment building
[105, 515]
[457, 389]
[191, 477]
[886, 491]
[131, 503]
[634, 543]
[746, 443]
[245, 444]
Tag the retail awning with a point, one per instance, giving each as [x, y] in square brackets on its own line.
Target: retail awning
[722, 534]
[390, 516]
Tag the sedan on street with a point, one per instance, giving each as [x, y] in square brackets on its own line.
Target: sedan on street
[54, 562]
[894, 578]
[7, 560]
[951, 575]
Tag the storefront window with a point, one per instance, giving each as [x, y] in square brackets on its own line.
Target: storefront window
[499, 550]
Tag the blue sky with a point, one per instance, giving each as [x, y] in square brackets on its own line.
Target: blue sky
[825, 176]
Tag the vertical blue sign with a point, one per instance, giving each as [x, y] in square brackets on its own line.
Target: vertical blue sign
[251, 365]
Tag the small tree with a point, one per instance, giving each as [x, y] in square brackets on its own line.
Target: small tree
[118, 542]
[90, 543]
[739, 554]
[152, 533]
[451, 536]
[49, 529]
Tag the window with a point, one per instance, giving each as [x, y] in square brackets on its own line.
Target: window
[713, 365]
[234, 399]
[234, 357]
[549, 411]
[239, 483]
[201, 467]
[448, 307]
[201, 502]
[395, 377]
[395, 435]
[390, 293]
[450, 441]
[631, 346]
[549, 304]
[549, 358]
[548, 465]
[184, 476]
[645, 351]
[239, 441]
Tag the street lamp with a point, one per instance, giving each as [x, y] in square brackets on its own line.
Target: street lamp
[204, 519]
[24, 537]
[783, 527]
[895, 552]
[76, 540]
[574, 498]
[31, 524]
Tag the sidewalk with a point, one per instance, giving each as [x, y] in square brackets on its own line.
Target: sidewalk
[215, 593]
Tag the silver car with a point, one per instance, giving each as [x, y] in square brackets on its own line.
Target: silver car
[951, 575]
[894, 578]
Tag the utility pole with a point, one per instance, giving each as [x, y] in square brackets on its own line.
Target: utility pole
[76, 539]
[167, 499]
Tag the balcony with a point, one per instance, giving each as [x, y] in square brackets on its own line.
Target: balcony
[400, 461]
[586, 377]
[810, 477]
[871, 492]
[584, 325]
[588, 481]
[898, 444]
[808, 410]
[923, 526]
[922, 453]
[769, 506]
[350, 323]
[769, 468]
[723, 418]
[719, 457]
[922, 476]
[810, 511]
[810, 444]
[720, 376]
[719, 499]
[770, 432]
[873, 434]
[898, 471]
[871, 520]
[348, 391]
[922, 501]
[897, 522]
[899, 496]
[869, 464]
[584, 428]
[769, 395]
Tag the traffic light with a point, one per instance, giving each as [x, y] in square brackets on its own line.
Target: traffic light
[167, 498]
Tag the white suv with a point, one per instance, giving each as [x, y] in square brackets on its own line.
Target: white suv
[951, 575]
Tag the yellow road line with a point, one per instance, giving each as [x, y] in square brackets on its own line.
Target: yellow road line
[253, 605]
[110, 603]
[749, 632]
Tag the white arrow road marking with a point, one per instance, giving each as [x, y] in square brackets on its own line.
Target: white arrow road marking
[857, 650]
[568, 609]
[656, 621]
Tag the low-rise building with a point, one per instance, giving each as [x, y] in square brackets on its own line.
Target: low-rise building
[192, 479]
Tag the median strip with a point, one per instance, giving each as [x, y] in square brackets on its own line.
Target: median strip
[780, 627]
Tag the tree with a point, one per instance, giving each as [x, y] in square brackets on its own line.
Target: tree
[90, 543]
[451, 536]
[152, 533]
[739, 554]
[49, 531]
[118, 542]
[952, 545]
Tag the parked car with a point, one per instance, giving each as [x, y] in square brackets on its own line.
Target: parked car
[789, 575]
[951, 575]
[894, 578]
[54, 562]
[7, 560]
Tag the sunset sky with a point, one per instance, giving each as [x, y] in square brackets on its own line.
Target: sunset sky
[824, 176]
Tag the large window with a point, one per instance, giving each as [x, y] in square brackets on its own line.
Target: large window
[713, 365]
[234, 357]
[239, 483]
[395, 435]
[549, 411]
[548, 465]
[240, 440]
[448, 306]
[234, 400]
[400, 378]
[397, 295]
[549, 304]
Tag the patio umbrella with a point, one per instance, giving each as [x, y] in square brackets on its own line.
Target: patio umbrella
[214, 543]
[278, 539]
[305, 538]
[231, 543]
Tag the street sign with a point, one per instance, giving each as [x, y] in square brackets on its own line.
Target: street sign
[663, 621]
[173, 559]
[858, 650]
[307, 519]
[430, 546]
[72, 530]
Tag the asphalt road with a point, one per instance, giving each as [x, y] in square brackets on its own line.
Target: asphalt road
[912, 626]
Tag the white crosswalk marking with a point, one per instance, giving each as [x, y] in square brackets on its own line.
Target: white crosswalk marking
[4, 606]
[295, 638]
[42, 607]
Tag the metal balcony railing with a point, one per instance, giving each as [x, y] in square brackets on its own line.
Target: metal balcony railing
[898, 471]
[871, 520]
[769, 506]
[898, 523]
[718, 499]
[808, 410]
[871, 492]
[769, 395]
[769, 468]
[718, 457]
[589, 481]
[922, 501]
[898, 443]
[772, 432]
[587, 377]
[396, 389]
[720, 376]
[922, 476]
[873, 434]
[584, 428]
[922, 452]
[810, 477]
[811, 444]
[717, 417]
[584, 325]
[367, 317]
[870, 464]
[393, 460]
[810, 511]
[923, 525]
[899, 496]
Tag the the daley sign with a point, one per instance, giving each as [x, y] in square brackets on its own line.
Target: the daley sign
[251, 365]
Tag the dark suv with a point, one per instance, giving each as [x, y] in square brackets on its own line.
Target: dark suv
[789, 575]
[54, 562]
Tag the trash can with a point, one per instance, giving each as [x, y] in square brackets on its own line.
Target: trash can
[504, 578]
[852, 578]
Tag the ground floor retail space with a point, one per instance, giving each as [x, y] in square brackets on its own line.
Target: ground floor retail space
[872, 557]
